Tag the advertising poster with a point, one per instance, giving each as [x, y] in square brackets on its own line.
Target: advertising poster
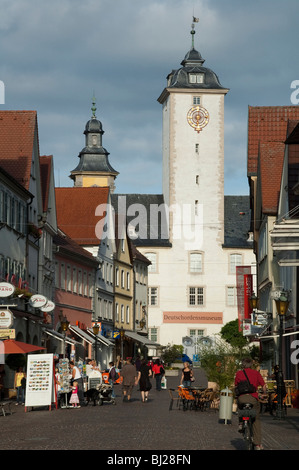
[40, 380]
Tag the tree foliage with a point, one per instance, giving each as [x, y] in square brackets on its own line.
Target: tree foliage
[231, 334]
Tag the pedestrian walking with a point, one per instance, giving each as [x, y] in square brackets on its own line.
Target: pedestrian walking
[129, 375]
[187, 375]
[145, 385]
[112, 377]
[158, 371]
[19, 376]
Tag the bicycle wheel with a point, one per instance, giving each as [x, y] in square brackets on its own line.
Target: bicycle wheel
[248, 437]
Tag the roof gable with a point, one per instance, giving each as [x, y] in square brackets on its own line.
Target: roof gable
[271, 157]
[76, 213]
[18, 130]
[267, 123]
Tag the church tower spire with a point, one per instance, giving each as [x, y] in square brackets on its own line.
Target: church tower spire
[94, 168]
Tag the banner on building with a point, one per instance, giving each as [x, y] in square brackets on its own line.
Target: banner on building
[244, 291]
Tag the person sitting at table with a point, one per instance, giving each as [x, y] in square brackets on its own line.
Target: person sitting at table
[187, 375]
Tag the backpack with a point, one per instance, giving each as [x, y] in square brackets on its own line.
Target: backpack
[113, 375]
[244, 387]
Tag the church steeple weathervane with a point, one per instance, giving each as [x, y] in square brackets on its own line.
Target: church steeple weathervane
[93, 108]
[192, 32]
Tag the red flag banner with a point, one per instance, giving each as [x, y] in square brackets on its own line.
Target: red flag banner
[242, 296]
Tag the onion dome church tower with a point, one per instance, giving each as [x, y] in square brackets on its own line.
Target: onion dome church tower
[94, 168]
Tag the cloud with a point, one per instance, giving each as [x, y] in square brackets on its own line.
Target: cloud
[55, 55]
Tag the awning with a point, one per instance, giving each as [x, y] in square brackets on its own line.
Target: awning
[142, 339]
[59, 336]
[81, 334]
[101, 338]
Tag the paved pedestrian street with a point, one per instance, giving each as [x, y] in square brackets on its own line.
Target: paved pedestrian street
[138, 426]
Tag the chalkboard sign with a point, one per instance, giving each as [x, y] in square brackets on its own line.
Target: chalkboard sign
[94, 382]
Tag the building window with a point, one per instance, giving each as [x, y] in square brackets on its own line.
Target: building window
[231, 296]
[122, 279]
[69, 278]
[196, 77]
[234, 260]
[122, 314]
[196, 100]
[153, 334]
[194, 332]
[195, 262]
[152, 257]
[128, 281]
[153, 296]
[128, 314]
[116, 312]
[196, 296]
[62, 276]
[117, 276]
[75, 282]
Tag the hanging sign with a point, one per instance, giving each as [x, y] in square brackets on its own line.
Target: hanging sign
[48, 307]
[6, 289]
[6, 318]
[38, 301]
[40, 390]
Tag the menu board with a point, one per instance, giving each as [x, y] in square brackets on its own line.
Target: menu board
[40, 380]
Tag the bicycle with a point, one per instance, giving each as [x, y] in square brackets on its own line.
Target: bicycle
[248, 414]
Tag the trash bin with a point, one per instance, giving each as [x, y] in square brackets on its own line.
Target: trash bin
[226, 406]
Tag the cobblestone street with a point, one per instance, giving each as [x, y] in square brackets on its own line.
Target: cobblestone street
[137, 426]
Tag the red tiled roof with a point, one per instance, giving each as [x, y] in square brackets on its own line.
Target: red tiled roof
[17, 131]
[76, 213]
[271, 156]
[267, 123]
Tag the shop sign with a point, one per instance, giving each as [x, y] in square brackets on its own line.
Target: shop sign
[6, 289]
[48, 307]
[6, 318]
[8, 333]
[38, 301]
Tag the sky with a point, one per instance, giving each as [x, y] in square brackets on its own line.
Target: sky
[54, 56]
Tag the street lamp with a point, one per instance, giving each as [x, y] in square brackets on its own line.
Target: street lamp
[282, 305]
[96, 329]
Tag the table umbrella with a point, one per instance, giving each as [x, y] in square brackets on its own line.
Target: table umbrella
[10, 346]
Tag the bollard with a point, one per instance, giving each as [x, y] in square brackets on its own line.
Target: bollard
[226, 406]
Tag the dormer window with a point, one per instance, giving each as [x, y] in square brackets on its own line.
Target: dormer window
[196, 77]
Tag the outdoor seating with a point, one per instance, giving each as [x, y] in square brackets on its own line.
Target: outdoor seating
[5, 407]
[174, 398]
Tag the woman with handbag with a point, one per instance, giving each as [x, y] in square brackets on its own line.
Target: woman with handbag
[247, 380]
[187, 375]
[145, 385]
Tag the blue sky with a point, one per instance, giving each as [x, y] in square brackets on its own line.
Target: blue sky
[55, 55]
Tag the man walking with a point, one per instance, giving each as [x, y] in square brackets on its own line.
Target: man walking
[129, 375]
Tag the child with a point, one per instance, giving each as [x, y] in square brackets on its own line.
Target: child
[74, 398]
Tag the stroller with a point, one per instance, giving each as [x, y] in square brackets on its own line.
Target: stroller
[105, 392]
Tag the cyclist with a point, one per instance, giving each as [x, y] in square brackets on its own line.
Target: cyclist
[256, 380]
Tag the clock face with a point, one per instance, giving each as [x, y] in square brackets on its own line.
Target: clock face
[198, 118]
